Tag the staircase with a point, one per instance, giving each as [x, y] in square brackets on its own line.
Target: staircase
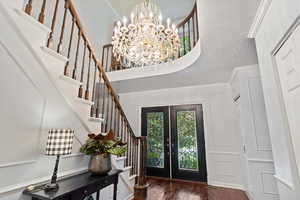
[54, 30]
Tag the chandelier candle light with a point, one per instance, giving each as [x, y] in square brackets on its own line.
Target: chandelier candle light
[145, 39]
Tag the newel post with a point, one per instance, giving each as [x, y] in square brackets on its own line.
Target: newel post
[140, 189]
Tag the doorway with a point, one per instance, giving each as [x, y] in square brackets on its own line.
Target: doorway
[175, 142]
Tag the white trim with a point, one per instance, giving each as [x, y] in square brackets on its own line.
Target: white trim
[226, 153]
[284, 181]
[160, 69]
[260, 160]
[54, 54]
[17, 163]
[249, 195]
[227, 185]
[70, 80]
[262, 173]
[174, 89]
[236, 70]
[84, 101]
[120, 158]
[129, 197]
[73, 155]
[260, 14]
[132, 177]
[23, 185]
[94, 119]
[127, 168]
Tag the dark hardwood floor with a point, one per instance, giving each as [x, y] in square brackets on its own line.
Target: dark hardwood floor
[160, 189]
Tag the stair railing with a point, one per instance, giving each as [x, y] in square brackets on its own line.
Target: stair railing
[68, 38]
[188, 33]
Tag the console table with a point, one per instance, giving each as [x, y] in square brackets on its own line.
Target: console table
[77, 187]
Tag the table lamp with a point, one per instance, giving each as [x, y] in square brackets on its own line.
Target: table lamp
[59, 143]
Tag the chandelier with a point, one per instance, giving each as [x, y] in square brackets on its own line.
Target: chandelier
[145, 39]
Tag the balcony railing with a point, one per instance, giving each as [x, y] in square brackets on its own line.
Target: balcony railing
[188, 33]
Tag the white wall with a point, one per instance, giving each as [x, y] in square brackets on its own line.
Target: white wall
[277, 19]
[14, 3]
[98, 18]
[258, 165]
[222, 139]
[32, 103]
[30, 106]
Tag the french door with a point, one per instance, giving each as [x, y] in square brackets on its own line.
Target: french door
[175, 142]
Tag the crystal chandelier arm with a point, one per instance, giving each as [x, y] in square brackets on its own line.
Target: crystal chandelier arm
[145, 40]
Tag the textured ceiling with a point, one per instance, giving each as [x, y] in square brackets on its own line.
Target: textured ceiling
[176, 9]
[224, 25]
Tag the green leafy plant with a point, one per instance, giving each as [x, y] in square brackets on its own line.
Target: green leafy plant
[100, 144]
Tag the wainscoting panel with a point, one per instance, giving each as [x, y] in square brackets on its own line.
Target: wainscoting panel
[259, 118]
[262, 174]
[257, 151]
[22, 109]
[225, 169]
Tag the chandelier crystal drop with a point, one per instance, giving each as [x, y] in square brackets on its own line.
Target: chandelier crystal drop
[145, 39]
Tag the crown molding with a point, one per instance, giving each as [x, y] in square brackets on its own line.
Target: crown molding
[259, 16]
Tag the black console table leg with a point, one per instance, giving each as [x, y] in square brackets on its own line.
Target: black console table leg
[115, 191]
[98, 195]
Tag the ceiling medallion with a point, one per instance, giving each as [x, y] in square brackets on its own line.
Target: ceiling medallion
[145, 39]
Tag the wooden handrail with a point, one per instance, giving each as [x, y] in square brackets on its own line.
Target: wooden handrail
[187, 18]
[99, 65]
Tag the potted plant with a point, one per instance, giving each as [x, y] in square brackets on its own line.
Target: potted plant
[100, 147]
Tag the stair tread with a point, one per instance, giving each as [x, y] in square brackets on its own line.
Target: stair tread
[55, 54]
[121, 158]
[70, 80]
[82, 100]
[127, 168]
[132, 176]
[96, 119]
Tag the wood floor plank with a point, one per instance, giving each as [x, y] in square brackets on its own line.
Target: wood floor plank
[177, 190]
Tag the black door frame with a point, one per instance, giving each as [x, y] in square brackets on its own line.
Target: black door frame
[201, 174]
[161, 172]
[170, 131]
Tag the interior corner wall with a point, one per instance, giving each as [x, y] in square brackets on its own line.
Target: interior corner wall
[279, 17]
[98, 19]
[223, 142]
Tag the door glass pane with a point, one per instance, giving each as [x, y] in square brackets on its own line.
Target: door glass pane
[155, 139]
[187, 140]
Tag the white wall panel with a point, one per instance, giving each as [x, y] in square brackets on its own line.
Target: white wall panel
[276, 20]
[255, 133]
[221, 136]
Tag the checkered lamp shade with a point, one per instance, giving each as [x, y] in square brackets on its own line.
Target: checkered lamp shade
[59, 142]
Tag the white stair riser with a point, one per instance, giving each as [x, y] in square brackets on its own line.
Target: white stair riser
[30, 27]
[55, 65]
[120, 164]
[126, 174]
[132, 181]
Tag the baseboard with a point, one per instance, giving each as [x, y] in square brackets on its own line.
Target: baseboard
[249, 195]
[129, 197]
[227, 185]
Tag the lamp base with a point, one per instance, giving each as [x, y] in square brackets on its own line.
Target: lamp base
[51, 187]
